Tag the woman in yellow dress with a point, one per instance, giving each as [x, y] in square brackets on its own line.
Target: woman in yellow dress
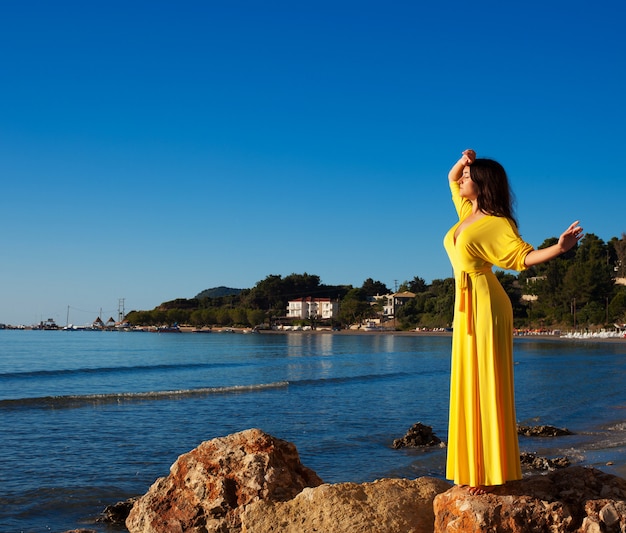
[482, 437]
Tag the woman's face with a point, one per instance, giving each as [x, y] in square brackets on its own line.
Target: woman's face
[468, 188]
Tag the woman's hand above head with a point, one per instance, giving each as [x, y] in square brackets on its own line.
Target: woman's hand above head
[570, 237]
[469, 156]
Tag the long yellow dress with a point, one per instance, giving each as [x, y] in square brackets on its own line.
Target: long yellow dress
[482, 436]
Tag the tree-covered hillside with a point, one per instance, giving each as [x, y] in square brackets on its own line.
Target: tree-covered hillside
[578, 289]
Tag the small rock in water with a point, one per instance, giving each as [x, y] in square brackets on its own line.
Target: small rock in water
[117, 513]
[418, 435]
[543, 463]
[542, 431]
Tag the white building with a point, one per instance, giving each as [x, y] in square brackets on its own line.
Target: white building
[307, 308]
[395, 301]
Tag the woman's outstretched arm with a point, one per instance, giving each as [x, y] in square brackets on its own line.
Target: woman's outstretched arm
[567, 240]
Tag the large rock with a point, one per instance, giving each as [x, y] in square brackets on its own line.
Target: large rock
[208, 487]
[387, 505]
[574, 499]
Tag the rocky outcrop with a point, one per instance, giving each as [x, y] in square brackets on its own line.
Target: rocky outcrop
[387, 505]
[208, 487]
[418, 435]
[251, 482]
[575, 499]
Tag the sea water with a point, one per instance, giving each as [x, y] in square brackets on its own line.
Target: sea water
[88, 419]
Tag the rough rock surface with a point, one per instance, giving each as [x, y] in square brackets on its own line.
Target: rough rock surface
[117, 513]
[418, 435]
[208, 487]
[387, 505]
[542, 431]
[575, 499]
[251, 482]
[532, 461]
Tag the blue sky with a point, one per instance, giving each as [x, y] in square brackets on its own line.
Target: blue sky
[151, 150]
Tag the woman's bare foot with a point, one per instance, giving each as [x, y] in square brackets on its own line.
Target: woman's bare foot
[480, 490]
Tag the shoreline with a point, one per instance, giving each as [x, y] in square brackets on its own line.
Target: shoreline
[575, 336]
[425, 333]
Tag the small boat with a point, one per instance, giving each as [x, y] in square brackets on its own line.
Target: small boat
[168, 329]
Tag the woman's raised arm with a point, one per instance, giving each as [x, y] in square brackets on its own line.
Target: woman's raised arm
[456, 171]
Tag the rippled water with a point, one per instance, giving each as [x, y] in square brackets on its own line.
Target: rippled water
[91, 418]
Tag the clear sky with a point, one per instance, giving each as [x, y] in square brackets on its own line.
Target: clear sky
[153, 149]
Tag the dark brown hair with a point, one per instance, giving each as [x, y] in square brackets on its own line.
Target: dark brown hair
[494, 194]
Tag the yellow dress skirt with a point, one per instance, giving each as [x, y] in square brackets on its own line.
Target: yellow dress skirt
[482, 435]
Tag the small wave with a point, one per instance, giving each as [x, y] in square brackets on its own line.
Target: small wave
[349, 379]
[62, 402]
[112, 370]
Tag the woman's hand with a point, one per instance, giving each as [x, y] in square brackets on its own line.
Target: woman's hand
[469, 156]
[567, 240]
[570, 237]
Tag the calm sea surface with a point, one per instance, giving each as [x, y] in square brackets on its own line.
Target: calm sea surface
[91, 418]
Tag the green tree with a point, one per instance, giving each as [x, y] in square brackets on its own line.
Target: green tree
[140, 318]
[159, 317]
[274, 292]
[443, 301]
[546, 282]
[256, 317]
[354, 307]
[409, 315]
[266, 294]
[592, 313]
[177, 316]
[617, 306]
[432, 308]
[195, 318]
[222, 317]
[374, 288]
[618, 255]
[300, 285]
[239, 316]
[417, 285]
[589, 280]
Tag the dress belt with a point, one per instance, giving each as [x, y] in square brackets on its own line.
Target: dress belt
[465, 284]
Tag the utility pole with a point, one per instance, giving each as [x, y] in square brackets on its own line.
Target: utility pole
[120, 309]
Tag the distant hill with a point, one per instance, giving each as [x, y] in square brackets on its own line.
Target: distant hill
[217, 292]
